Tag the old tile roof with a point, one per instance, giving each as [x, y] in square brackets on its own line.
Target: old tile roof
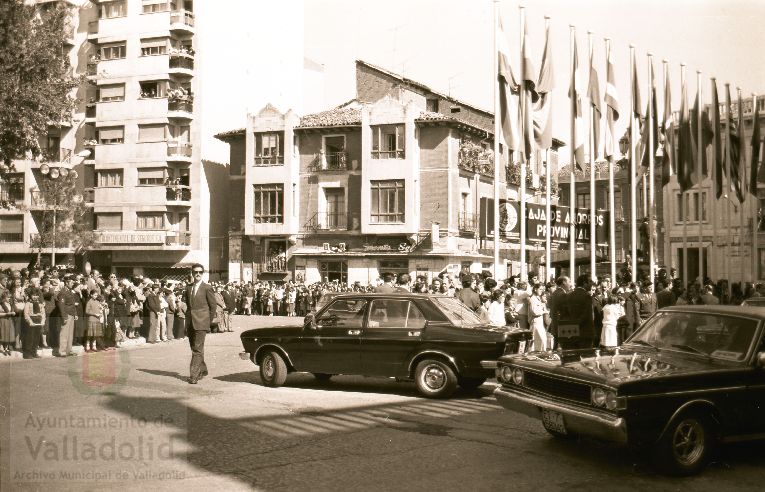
[229, 133]
[347, 114]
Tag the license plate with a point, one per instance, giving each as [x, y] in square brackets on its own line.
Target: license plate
[553, 421]
[522, 346]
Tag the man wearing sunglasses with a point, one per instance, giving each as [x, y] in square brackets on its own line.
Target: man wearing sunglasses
[202, 306]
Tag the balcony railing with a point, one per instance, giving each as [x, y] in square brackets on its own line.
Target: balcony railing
[34, 240]
[274, 264]
[90, 111]
[181, 105]
[182, 149]
[11, 237]
[57, 155]
[11, 198]
[182, 17]
[468, 223]
[330, 161]
[323, 221]
[178, 239]
[178, 193]
[92, 68]
[269, 160]
[181, 61]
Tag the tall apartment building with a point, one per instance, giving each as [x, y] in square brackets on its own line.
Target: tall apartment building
[399, 179]
[137, 129]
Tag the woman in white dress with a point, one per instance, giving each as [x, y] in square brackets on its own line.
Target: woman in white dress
[497, 308]
[536, 315]
[611, 314]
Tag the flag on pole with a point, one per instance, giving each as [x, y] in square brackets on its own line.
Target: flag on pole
[706, 135]
[543, 107]
[576, 112]
[686, 175]
[717, 143]
[593, 93]
[732, 146]
[612, 105]
[529, 93]
[508, 92]
[753, 180]
[741, 162]
[636, 100]
[668, 135]
[654, 128]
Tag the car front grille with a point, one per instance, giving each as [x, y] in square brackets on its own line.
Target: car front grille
[557, 387]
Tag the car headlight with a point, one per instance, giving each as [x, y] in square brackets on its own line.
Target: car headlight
[611, 400]
[507, 374]
[598, 397]
[518, 376]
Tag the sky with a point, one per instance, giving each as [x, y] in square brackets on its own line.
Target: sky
[448, 44]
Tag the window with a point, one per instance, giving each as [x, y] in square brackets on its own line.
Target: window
[387, 201]
[388, 142]
[180, 133]
[13, 188]
[151, 6]
[114, 51]
[269, 204]
[11, 229]
[582, 200]
[393, 266]
[109, 178]
[151, 176]
[108, 10]
[111, 135]
[334, 270]
[108, 222]
[690, 208]
[150, 221]
[269, 148]
[112, 92]
[152, 133]
[343, 313]
[153, 88]
[432, 105]
[153, 46]
[395, 313]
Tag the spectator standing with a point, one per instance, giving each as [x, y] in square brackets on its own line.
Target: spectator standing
[152, 307]
[647, 301]
[536, 316]
[557, 304]
[402, 283]
[612, 311]
[66, 303]
[200, 299]
[278, 300]
[708, 297]
[469, 296]
[387, 286]
[94, 331]
[496, 308]
[579, 303]
[228, 299]
[180, 316]
[170, 313]
[665, 297]
[7, 331]
[34, 318]
[520, 304]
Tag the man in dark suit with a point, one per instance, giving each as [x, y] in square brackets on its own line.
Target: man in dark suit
[153, 308]
[228, 298]
[66, 302]
[387, 287]
[579, 303]
[665, 297]
[557, 304]
[468, 295]
[202, 307]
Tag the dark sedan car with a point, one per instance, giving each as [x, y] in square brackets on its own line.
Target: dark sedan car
[689, 378]
[436, 340]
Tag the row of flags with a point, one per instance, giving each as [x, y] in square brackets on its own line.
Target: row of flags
[526, 120]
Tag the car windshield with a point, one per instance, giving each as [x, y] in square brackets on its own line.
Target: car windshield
[754, 301]
[457, 312]
[715, 335]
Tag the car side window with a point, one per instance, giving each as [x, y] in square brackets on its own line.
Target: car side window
[388, 313]
[415, 319]
[343, 313]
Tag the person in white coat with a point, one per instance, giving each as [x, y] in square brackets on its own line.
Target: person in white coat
[536, 314]
[497, 308]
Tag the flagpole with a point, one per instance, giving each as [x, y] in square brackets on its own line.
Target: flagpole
[611, 205]
[651, 163]
[548, 241]
[633, 172]
[525, 158]
[701, 204]
[593, 201]
[686, 202]
[728, 163]
[742, 185]
[755, 182]
[572, 180]
[713, 208]
[497, 156]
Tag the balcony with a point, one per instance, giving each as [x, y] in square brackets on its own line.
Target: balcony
[274, 264]
[89, 195]
[93, 30]
[323, 221]
[179, 151]
[330, 161]
[91, 69]
[175, 238]
[178, 193]
[473, 158]
[90, 113]
[468, 223]
[268, 160]
[182, 20]
[181, 63]
[62, 156]
[180, 108]
[11, 237]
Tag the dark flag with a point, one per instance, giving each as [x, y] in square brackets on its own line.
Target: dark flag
[717, 143]
[654, 126]
[685, 154]
[706, 136]
[576, 113]
[668, 135]
[755, 149]
[593, 93]
[732, 146]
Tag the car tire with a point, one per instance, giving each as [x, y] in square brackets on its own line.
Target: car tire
[687, 445]
[273, 370]
[322, 377]
[435, 379]
[471, 383]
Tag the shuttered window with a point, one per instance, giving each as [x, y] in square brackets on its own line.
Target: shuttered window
[109, 178]
[113, 51]
[114, 92]
[151, 133]
[109, 222]
[153, 46]
[148, 221]
[11, 229]
[151, 176]
[111, 135]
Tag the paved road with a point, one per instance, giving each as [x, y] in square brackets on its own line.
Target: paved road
[129, 420]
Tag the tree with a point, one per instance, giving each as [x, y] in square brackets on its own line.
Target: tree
[66, 218]
[36, 80]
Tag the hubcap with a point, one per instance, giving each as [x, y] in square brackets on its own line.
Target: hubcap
[268, 367]
[688, 442]
[434, 377]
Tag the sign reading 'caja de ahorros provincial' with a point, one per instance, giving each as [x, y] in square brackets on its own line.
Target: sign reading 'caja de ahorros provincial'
[560, 222]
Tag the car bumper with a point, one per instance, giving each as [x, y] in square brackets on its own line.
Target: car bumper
[577, 420]
[244, 355]
[489, 364]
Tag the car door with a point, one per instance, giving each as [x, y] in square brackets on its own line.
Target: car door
[334, 347]
[393, 331]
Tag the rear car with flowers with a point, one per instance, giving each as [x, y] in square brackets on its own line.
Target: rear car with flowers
[690, 378]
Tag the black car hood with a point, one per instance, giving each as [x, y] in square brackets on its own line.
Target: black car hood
[629, 365]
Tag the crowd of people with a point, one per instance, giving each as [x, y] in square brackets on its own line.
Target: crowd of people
[51, 308]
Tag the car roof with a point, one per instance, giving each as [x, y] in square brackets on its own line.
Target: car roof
[748, 311]
[405, 295]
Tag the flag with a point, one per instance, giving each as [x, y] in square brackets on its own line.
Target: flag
[668, 135]
[636, 100]
[612, 105]
[528, 93]
[543, 107]
[576, 113]
[651, 126]
[753, 180]
[685, 169]
[508, 91]
[717, 145]
[706, 136]
[732, 147]
[741, 161]
[593, 93]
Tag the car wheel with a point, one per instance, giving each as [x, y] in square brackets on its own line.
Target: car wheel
[273, 370]
[322, 377]
[471, 383]
[435, 379]
[687, 445]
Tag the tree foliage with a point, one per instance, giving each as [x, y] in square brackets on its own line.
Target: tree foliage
[36, 79]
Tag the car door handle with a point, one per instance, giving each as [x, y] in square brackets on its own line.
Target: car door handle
[354, 332]
[414, 333]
